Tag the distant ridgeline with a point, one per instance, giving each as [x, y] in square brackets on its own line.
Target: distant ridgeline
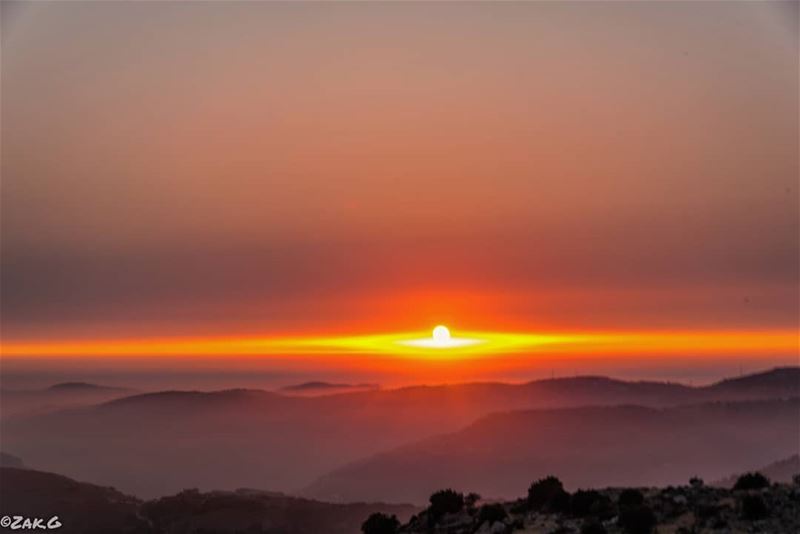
[400, 445]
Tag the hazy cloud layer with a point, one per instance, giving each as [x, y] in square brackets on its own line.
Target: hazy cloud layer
[176, 166]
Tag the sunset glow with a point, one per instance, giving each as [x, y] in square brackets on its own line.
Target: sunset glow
[468, 344]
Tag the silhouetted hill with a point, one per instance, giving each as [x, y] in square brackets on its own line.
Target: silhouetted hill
[56, 397]
[81, 508]
[159, 443]
[325, 388]
[86, 509]
[499, 454]
[262, 512]
[783, 380]
[186, 402]
[9, 460]
[84, 386]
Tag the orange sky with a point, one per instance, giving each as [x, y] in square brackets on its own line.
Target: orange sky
[205, 170]
[464, 345]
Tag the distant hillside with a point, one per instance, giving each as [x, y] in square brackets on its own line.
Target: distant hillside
[81, 508]
[784, 380]
[325, 388]
[500, 454]
[781, 471]
[177, 403]
[84, 386]
[56, 397]
[263, 512]
[9, 460]
[160, 443]
[89, 509]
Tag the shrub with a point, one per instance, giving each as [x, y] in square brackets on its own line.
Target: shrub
[630, 498]
[492, 513]
[470, 500]
[560, 503]
[581, 502]
[707, 511]
[637, 519]
[750, 481]
[548, 494]
[754, 507]
[593, 527]
[696, 482]
[520, 506]
[379, 523]
[445, 502]
[586, 503]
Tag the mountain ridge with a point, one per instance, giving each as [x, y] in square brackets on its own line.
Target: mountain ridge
[291, 441]
[784, 375]
[585, 444]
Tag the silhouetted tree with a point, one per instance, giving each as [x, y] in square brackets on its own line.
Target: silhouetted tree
[445, 502]
[379, 523]
[548, 494]
[696, 482]
[749, 481]
[492, 513]
[754, 507]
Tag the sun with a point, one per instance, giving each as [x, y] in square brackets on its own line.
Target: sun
[440, 339]
[441, 334]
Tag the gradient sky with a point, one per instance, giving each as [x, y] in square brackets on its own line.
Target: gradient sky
[214, 168]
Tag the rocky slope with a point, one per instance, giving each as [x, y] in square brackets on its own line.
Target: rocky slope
[691, 509]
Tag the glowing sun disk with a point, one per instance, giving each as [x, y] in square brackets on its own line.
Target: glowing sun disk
[441, 339]
[441, 333]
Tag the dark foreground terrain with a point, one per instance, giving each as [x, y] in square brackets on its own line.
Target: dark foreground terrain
[89, 509]
[753, 505]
